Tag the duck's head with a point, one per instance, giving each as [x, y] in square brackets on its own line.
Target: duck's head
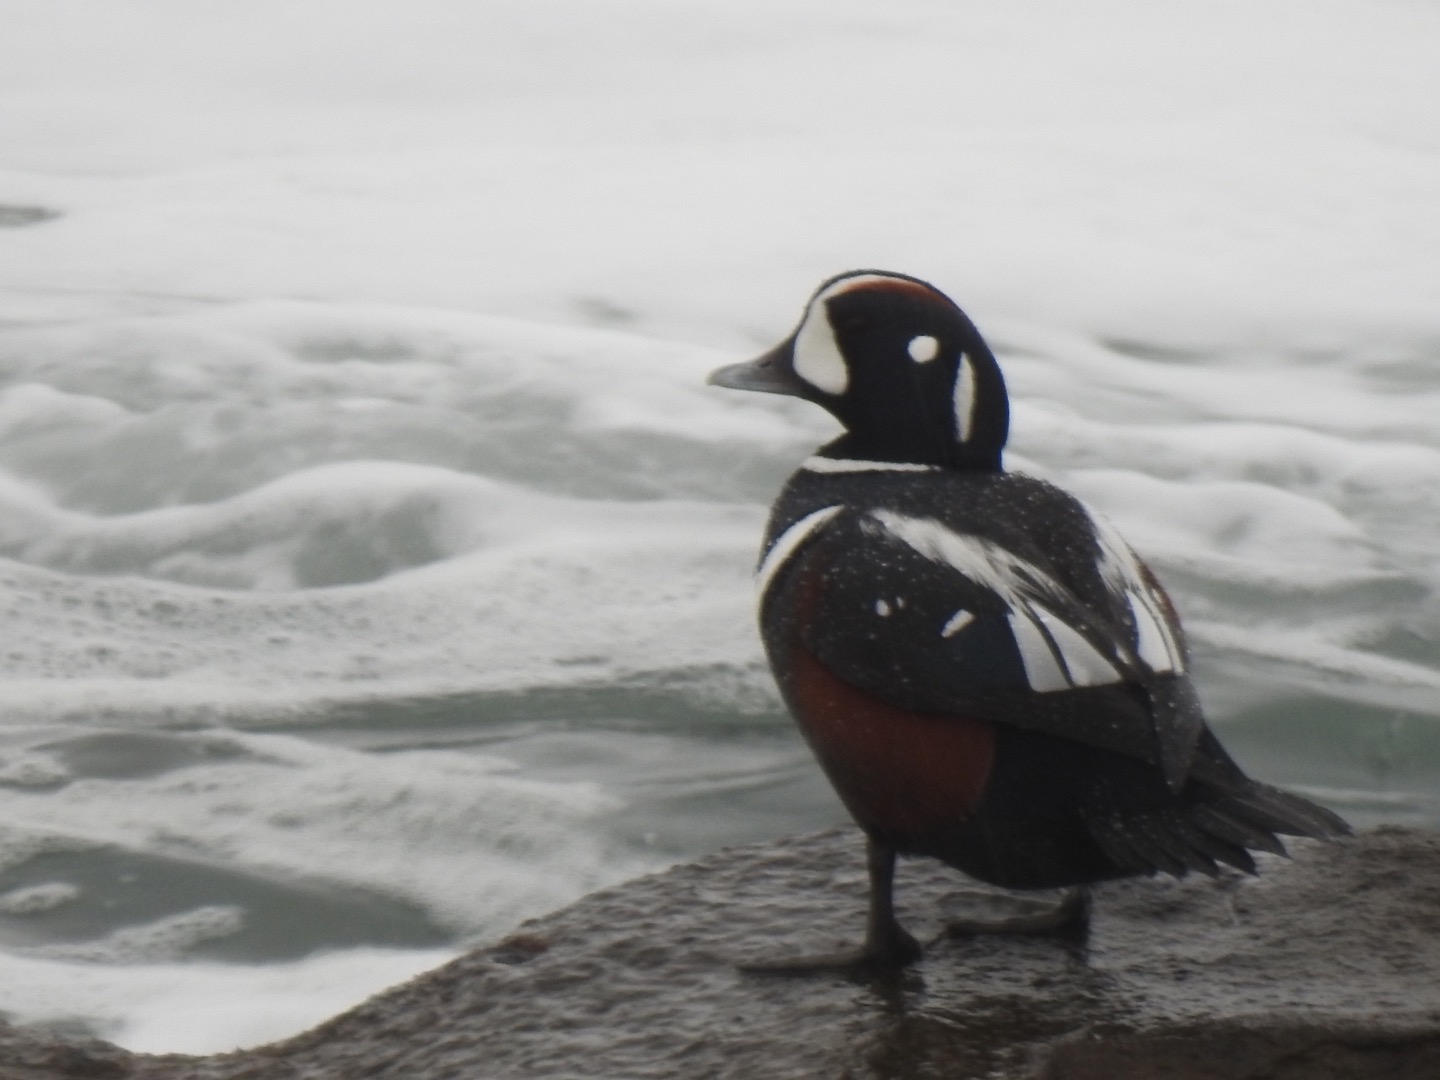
[899, 364]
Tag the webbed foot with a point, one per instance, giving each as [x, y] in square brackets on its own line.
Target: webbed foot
[1070, 914]
[887, 944]
[890, 948]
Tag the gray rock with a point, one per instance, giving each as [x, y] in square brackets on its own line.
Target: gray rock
[1323, 968]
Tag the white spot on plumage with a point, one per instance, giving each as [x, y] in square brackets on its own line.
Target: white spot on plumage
[786, 544]
[923, 349]
[882, 608]
[964, 398]
[959, 621]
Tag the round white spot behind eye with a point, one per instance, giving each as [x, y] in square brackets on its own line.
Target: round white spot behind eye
[923, 348]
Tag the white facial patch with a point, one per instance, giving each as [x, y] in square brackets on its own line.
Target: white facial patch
[817, 356]
[964, 398]
[818, 359]
[923, 349]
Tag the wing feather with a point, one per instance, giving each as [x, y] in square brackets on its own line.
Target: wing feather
[939, 620]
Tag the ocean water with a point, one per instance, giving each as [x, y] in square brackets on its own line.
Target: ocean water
[374, 562]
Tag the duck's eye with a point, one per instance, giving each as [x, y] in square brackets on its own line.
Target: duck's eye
[923, 349]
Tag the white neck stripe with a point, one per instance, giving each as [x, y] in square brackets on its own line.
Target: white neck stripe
[848, 465]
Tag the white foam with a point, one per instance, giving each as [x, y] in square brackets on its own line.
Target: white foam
[201, 1008]
[1236, 530]
[432, 827]
[168, 938]
[395, 198]
[457, 587]
[37, 899]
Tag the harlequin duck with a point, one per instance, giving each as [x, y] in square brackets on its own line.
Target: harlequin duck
[986, 671]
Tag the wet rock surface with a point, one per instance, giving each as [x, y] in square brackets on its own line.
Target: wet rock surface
[1324, 967]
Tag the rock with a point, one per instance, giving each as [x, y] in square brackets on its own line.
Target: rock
[1324, 968]
[28, 1055]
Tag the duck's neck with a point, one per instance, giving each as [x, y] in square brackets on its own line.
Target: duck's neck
[912, 453]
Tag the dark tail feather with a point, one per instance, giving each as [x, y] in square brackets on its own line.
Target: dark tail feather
[1168, 833]
[1220, 826]
[1234, 829]
[1162, 840]
[1283, 813]
[1216, 848]
[1116, 841]
[1228, 804]
[1254, 816]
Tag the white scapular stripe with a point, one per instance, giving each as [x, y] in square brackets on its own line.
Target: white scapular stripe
[1084, 663]
[1155, 644]
[820, 464]
[987, 564]
[1020, 585]
[964, 398]
[1042, 671]
[1153, 641]
[786, 543]
[1118, 564]
[959, 621]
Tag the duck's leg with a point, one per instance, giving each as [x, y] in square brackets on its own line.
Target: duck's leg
[887, 944]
